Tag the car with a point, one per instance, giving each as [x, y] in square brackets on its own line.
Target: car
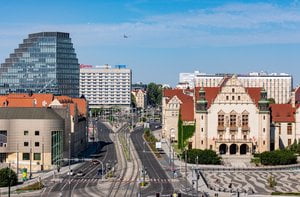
[80, 173]
[71, 173]
[95, 162]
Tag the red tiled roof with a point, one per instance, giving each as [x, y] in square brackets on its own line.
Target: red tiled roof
[43, 100]
[81, 105]
[210, 94]
[282, 113]
[187, 106]
[254, 93]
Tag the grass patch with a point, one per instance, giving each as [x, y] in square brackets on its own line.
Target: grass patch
[32, 187]
[285, 193]
[144, 184]
[150, 138]
[125, 145]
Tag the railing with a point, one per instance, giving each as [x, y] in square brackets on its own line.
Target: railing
[221, 128]
[245, 128]
[233, 140]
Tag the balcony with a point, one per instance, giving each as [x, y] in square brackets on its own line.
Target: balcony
[233, 128]
[233, 141]
[245, 128]
[221, 128]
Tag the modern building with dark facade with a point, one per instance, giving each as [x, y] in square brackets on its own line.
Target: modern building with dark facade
[45, 62]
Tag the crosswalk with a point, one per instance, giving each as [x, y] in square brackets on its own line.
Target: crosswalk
[95, 180]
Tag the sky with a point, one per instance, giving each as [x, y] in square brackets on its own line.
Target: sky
[166, 37]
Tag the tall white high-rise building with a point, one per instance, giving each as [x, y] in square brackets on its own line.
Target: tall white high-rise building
[278, 86]
[104, 86]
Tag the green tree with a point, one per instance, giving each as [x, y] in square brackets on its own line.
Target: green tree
[204, 156]
[7, 174]
[154, 94]
[271, 100]
[133, 101]
[278, 157]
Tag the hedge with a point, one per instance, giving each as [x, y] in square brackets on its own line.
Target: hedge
[204, 156]
[278, 157]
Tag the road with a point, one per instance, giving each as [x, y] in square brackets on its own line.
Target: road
[90, 183]
[159, 180]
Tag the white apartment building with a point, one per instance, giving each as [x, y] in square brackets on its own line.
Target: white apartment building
[104, 86]
[278, 86]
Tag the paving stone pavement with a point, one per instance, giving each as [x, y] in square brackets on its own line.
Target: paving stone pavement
[253, 181]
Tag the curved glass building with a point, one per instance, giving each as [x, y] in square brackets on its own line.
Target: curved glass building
[45, 62]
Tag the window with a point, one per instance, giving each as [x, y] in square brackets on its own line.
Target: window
[264, 142]
[37, 133]
[264, 130]
[239, 97]
[232, 137]
[36, 144]
[26, 156]
[210, 147]
[26, 143]
[227, 98]
[289, 129]
[244, 120]
[36, 156]
[220, 137]
[201, 141]
[232, 97]
[233, 90]
[201, 129]
[279, 129]
[220, 120]
[26, 132]
[289, 142]
[245, 137]
[232, 120]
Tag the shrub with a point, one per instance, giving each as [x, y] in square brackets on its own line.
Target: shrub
[34, 186]
[278, 157]
[204, 156]
[5, 173]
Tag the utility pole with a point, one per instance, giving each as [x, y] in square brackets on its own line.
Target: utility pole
[186, 181]
[69, 177]
[17, 160]
[197, 174]
[30, 162]
[9, 176]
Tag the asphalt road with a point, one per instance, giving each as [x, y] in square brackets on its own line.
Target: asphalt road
[153, 168]
[86, 184]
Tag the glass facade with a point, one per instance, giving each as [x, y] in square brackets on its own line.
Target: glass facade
[56, 146]
[44, 63]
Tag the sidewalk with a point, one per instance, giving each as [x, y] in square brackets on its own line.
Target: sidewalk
[180, 165]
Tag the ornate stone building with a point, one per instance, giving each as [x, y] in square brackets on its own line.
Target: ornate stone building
[230, 119]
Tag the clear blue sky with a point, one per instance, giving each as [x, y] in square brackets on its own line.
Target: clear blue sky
[166, 37]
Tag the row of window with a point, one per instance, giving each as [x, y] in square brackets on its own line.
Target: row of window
[36, 144]
[289, 129]
[233, 121]
[36, 156]
[35, 132]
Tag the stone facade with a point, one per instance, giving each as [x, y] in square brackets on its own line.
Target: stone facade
[231, 118]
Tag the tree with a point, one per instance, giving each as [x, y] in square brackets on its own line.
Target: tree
[133, 101]
[278, 157]
[7, 174]
[204, 156]
[271, 100]
[154, 94]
